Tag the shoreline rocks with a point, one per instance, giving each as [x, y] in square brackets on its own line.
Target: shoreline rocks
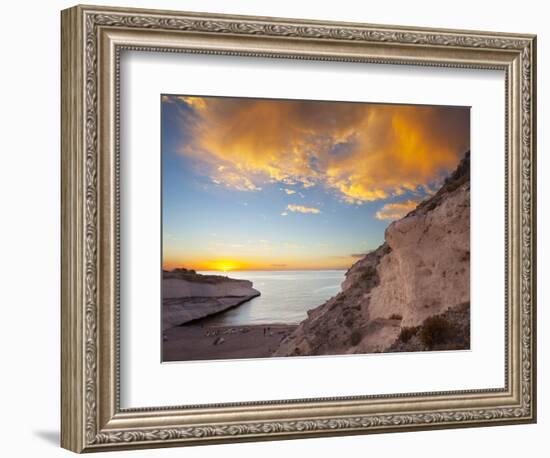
[188, 296]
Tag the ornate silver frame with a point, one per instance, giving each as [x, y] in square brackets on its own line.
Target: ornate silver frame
[92, 39]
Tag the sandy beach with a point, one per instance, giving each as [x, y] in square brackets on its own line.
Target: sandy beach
[199, 341]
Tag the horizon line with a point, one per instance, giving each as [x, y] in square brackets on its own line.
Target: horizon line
[258, 270]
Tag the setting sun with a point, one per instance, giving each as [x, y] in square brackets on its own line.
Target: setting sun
[224, 265]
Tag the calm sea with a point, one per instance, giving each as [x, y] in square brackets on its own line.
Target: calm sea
[286, 295]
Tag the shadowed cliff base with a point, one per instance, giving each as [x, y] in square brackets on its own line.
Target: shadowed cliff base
[446, 331]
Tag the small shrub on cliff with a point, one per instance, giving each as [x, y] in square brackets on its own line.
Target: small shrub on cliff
[395, 316]
[436, 330]
[407, 332]
[356, 337]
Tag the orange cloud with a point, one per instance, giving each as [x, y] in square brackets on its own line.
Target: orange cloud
[196, 102]
[362, 152]
[396, 210]
[234, 180]
[302, 209]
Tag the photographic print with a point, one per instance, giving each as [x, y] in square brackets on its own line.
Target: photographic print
[309, 228]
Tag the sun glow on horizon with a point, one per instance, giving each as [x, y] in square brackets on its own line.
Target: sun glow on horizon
[225, 266]
[229, 265]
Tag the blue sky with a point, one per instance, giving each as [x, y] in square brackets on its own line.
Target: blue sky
[262, 184]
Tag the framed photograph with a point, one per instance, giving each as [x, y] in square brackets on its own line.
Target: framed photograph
[276, 236]
[279, 228]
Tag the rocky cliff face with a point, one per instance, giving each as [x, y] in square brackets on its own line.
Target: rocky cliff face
[421, 271]
[188, 296]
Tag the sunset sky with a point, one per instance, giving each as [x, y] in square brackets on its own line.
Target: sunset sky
[283, 184]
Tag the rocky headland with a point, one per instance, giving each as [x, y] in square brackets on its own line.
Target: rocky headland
[189, 296]
[411, 293]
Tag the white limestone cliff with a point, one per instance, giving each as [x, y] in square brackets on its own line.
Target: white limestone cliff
[188, 296]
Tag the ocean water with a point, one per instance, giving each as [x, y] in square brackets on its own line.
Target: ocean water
[286, 296]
